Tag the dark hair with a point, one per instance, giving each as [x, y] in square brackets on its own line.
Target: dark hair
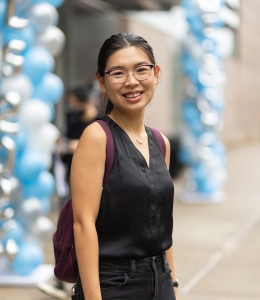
[115, 43]
[80, 92]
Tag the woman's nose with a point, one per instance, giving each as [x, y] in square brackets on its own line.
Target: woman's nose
[131, 80]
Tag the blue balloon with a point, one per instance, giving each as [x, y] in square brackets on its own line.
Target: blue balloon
[196, 23]
[199, 172]
[46, 205]
[26, 34]
[191, 116]
[203, 180]
[2, 11]
[190, 66]
[20, 140]
[3, 155]
[29, 257]
[185, 156]
[206, 186]
[49, 89]
[30, 165]
[55, 3]
[196, 127]
[219, 148]
[42, 186]
[16, 233]
[190, 111]
[189, 5]
[38, 62]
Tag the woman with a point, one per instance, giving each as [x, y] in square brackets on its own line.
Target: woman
[123, 232]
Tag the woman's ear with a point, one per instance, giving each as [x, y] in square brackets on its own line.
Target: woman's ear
[157, 72]
[101, 83]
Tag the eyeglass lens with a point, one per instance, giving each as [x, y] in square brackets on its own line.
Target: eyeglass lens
[140, 73]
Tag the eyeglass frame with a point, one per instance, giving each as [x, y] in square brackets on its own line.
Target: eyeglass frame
[150, 65]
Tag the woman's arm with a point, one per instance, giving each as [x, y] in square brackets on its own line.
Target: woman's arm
[86, 186]
[169, 252]
[170, 260]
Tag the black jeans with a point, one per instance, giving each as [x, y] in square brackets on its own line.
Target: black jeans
[133, 279]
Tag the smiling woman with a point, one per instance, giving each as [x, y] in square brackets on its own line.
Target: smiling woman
[130, 78]
[123, 231]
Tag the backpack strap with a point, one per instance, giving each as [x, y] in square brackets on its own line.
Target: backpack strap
[160, 141]
[110, 149]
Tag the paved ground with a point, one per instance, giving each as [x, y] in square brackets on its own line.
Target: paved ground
[217, 246]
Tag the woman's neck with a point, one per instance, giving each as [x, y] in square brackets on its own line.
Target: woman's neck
[130, 123]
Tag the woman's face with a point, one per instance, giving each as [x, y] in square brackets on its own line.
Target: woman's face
[132, 95]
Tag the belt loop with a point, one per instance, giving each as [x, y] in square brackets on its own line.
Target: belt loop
[133, 268]
[164, 263]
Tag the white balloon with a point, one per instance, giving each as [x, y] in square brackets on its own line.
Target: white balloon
[33, 113]
[217, 172]
[51, 133]
[225, 39]
[189, 141]
[52, 39]
[21, 84]
[42, 228]
[220, 177]
[48, 158]
[44, 139]
[42, 15]
[193, 46]
[30, 209]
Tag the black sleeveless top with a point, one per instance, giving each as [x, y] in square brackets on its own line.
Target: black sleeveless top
[135, 215]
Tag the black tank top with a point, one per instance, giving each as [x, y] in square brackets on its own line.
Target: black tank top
[135, 215]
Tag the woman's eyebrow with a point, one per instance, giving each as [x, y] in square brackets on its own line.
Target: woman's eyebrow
[115, 67]
[136, 65]
[142, 63]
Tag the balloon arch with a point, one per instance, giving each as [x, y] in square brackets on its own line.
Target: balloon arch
[29, 90]
[208, 42]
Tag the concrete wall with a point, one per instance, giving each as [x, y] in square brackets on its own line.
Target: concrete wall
[242, 92]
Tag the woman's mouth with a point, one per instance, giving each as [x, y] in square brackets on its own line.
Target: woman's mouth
[133, 96]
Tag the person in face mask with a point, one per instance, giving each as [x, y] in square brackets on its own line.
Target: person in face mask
[80, 111]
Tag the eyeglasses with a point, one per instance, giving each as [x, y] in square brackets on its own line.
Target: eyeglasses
[140, 73]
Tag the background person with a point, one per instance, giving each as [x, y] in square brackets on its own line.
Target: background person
[80, 111]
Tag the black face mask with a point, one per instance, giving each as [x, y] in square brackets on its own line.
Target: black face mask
[71, 109]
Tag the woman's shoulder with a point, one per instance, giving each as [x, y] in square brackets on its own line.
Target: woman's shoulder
[165, 139]
[95, 134]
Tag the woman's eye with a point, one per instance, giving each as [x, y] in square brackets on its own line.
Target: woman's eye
[117, 73]
[142, 69]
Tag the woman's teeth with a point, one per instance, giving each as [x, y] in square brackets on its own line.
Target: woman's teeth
[132, 95]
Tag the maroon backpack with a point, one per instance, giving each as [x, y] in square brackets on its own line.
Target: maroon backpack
[66, 267]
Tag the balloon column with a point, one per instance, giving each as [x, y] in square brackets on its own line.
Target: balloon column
[204, 49]
[29, 90]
